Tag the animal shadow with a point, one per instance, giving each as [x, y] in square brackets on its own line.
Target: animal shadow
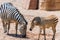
[18, 36]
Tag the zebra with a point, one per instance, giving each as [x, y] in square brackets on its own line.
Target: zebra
[43, 23]
[8, 14]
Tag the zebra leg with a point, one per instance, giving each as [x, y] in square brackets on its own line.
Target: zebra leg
[39, 33]
[54, 31]
[4, 26]
[8, 27]
[44, 33]
[16, 28]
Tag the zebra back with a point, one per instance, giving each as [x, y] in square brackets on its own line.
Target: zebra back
[11, 12]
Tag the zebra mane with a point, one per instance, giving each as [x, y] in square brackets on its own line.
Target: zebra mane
[8, 3]
[22, 16]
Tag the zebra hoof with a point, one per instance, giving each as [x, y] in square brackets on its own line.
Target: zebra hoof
[38, 39]
[44, 39]
[16, 35]
[5, 31]
[53, 39]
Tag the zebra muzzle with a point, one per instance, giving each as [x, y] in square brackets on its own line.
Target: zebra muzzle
[30, 29]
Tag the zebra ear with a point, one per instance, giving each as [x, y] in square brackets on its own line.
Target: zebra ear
[10, 4]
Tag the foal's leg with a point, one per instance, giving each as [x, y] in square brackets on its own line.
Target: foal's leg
[44, 33]
[39, 33]
[16, 28]
[8, 27]
[54, 31]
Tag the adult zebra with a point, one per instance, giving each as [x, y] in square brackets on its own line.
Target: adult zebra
[9, 14]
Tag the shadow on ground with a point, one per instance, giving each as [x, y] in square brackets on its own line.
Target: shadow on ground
[18, 36]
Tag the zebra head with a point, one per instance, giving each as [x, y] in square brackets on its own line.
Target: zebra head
[35, 21]
[23, 26]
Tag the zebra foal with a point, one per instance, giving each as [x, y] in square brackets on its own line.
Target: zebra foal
[8, 14]
[45, 22]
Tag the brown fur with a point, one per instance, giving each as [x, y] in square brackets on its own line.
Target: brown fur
[45, 22]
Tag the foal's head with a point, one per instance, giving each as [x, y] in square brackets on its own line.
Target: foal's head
[35, 21]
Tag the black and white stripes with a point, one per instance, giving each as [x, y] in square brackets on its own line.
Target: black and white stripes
[8, 12]
[7, 9]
